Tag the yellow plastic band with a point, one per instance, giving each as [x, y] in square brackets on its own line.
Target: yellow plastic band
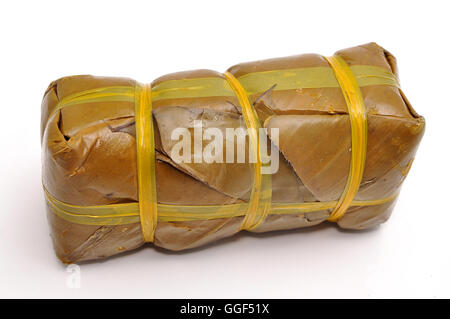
[358, 123]
[128, 213]
[192, 88]
[286, 79]
[256, 82]
[145, 143]
[313, 77]
[103, 94]
[259, 205]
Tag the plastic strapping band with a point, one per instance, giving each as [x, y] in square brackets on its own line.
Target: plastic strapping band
[145, 143]
[358, 123]
[128, 213]
[260, 202]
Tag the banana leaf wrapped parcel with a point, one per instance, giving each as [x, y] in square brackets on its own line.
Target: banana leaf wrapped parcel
[198, 156]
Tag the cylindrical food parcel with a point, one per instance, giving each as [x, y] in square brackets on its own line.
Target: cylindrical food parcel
[200, 155]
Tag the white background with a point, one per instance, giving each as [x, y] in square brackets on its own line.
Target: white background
[409, 256]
